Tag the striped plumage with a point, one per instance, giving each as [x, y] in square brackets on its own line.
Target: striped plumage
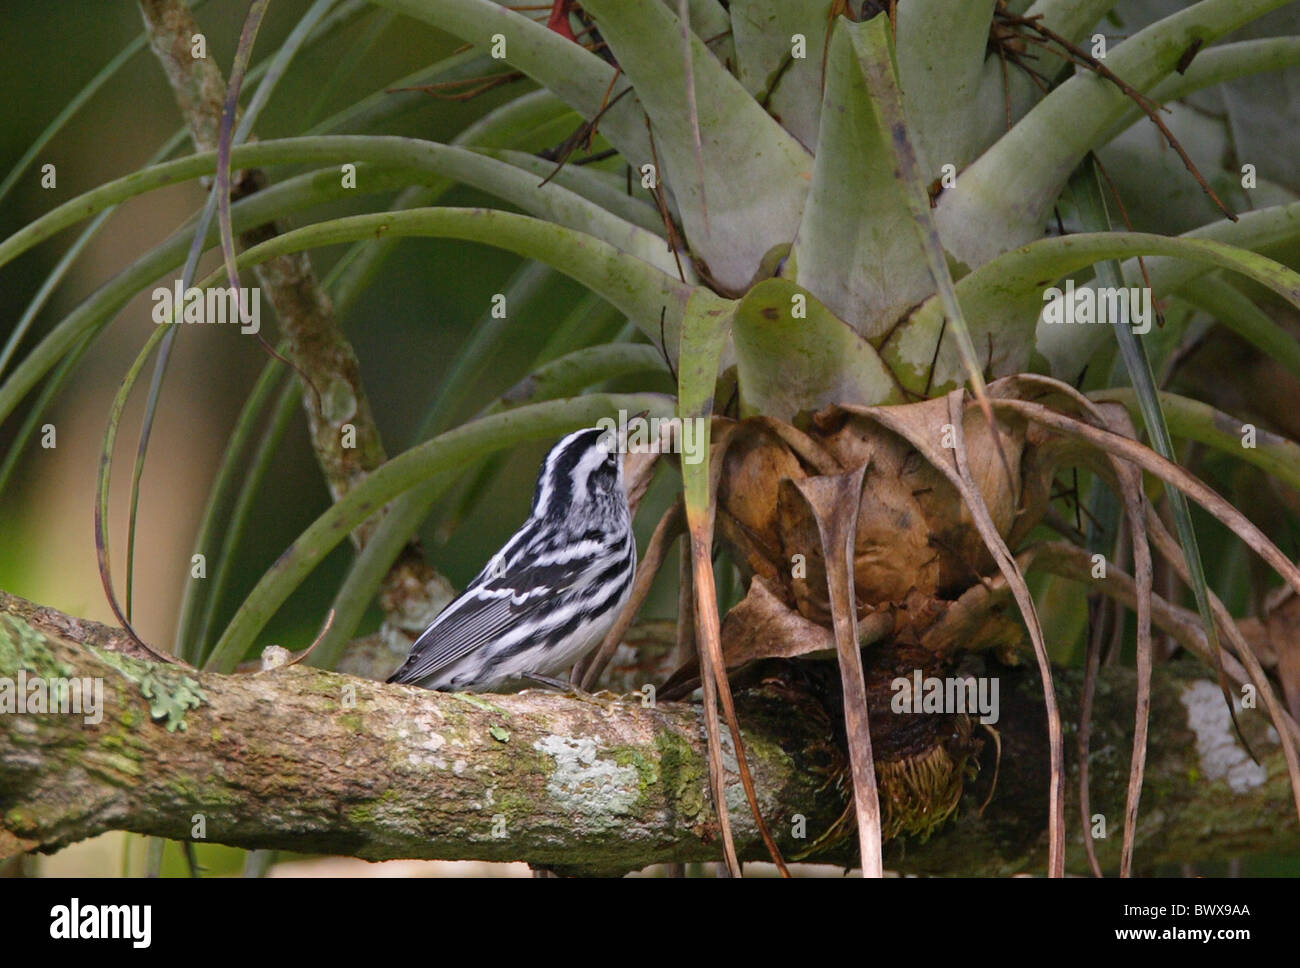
[551, 593]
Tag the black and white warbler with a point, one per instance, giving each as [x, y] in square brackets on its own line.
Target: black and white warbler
[551, 593]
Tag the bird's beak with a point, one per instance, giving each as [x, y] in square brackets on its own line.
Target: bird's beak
[636, 416]
[623, 442]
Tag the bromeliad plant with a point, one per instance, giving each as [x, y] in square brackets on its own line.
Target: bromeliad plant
[828, 221]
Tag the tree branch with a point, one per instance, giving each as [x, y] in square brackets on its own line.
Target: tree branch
[300, 759]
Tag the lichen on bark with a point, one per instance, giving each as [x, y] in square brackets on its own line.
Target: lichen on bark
[300, 759]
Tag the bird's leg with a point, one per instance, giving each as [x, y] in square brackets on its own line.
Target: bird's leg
[559, 685]
[550, 682]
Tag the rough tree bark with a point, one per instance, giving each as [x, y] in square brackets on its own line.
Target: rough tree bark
[301, 759]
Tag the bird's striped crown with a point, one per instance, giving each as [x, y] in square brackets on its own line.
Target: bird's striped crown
[583, 471]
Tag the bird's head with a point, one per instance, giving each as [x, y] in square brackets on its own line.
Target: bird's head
[584, 471]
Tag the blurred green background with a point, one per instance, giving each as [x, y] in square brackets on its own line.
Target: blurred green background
[406, 328]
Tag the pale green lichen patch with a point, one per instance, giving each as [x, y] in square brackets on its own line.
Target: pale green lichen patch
[169, 691]
[477, 703]
[583, 782]
[339, 402]
[1220, 755]
[23, 647]
[423, 745]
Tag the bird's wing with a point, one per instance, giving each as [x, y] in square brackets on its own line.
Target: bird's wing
[484, 611]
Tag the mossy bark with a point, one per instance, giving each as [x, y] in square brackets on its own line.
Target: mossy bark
[300, 759]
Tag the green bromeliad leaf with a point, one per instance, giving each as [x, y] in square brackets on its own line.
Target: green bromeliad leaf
[1003, 298]
[1003, 199]
[577, 76]
[1275, 455]
[951, 89]
[755, 174]
[790, 86]
[858, 247]
[705, 325]
[1234, 310]
[1068, 347]
[793, 355]
[873, 52]
[553, 201]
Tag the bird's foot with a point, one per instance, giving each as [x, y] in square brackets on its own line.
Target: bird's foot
[562, 686]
